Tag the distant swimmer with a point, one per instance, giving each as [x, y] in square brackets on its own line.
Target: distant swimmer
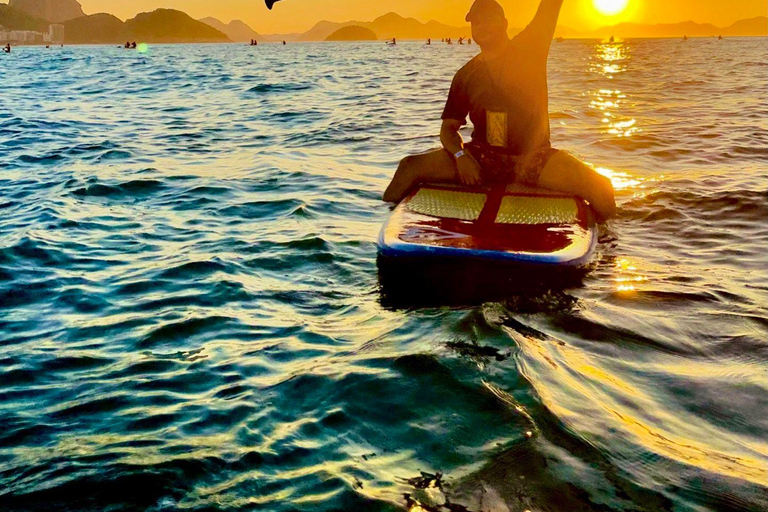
[429, 42]
[283, 43]
[611, 40]
[469, 41]
[461, 40]
[7, 48]
[719, 38]
[685, 38]
[133, 45]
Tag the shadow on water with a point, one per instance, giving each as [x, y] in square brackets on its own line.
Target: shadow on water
[414, 283]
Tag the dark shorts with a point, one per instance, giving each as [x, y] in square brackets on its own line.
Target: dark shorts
[497, 167]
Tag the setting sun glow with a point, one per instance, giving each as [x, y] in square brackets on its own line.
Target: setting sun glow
[610, 7]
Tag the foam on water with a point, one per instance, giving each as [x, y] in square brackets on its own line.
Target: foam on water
[190, 313]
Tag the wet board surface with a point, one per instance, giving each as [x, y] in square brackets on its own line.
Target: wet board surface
[513, 224]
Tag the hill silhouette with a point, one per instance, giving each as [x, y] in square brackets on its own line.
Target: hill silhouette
[353, 33]
[393, 25]
[171, 26]
[236, 30]
[14, 19]
[54, 11]
[751, 27]
[95, 29]
[388, 26]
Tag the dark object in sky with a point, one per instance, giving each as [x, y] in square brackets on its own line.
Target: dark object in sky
[270, 3]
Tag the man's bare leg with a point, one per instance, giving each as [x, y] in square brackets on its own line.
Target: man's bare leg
[435, 166]
[565, 173]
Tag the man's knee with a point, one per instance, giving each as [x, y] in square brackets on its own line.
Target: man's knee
[604, 186]
[603, 198]
[407, 163]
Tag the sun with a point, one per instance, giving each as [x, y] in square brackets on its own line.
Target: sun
[610, 7]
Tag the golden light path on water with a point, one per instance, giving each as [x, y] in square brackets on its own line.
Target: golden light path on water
[574, 371]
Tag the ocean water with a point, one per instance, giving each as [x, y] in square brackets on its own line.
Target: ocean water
[191, 316]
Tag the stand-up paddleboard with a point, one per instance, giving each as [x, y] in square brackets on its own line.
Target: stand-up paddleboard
[516, 224]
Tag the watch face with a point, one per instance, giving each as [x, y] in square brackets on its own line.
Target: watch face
[496, 128]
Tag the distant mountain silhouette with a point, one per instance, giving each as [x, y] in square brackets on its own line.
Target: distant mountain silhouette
[393, 25]
[388, 26]
[14, 19]
[751, 27]
[236, 30]
[171, 26]
[160, 26]
[54, 11]
[95, 29]
[353, 33]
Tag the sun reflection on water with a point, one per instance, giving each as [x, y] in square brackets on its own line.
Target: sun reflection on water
[628, 277]
[610, 60]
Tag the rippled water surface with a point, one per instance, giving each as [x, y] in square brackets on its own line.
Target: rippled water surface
[190, 312]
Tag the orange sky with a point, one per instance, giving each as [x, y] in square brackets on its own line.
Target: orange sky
[300, 15]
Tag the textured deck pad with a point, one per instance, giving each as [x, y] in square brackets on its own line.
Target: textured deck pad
[537, 210]
[520, 225]
[448, 204]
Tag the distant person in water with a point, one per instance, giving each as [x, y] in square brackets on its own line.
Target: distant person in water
[429, 41]
[504, 92]
[7, 48]
[283, 43]
[469, 40]
[461, 40]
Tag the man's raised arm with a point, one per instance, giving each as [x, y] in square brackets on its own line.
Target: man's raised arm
[544, 23]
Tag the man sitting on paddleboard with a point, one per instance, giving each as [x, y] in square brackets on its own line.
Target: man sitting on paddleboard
[504, 91]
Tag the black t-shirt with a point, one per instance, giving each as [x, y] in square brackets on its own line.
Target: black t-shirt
[507, 98]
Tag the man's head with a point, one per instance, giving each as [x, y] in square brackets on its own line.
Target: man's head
[489, 25]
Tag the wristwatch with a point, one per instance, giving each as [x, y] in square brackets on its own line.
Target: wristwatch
[460, 153]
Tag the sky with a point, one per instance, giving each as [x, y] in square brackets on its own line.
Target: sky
[300, 15]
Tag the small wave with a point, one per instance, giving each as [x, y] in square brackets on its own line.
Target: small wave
[114, 154]
[285, 87]
[45, 159]
[134, 188]
[262, 209]
[183, 330]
